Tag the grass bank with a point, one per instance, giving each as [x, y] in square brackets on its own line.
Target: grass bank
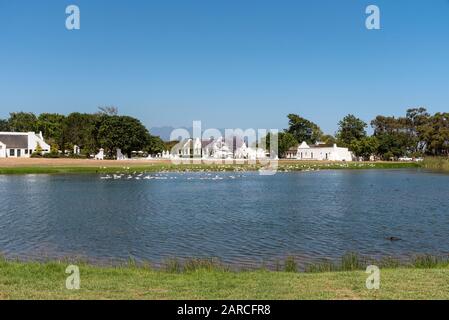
[44, 166]
[47, 281]
[436, 163]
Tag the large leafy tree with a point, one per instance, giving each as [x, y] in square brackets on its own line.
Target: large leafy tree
[328, 139]
[4, 125]
[80, 129]
[351, 128]
[416, 121]
[52, 127]
[285, 141]
[393, 137]
[365, 147]
[303, 129]
[435, 134]
[22, 122]
[122, 132]
[155, 145]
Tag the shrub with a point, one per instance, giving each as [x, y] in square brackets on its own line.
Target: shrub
[51, 155]
[38, 149]
[426, 261]
[192, 265]
[351, 261]
[290, 265]
[36, 155]
[172, 266]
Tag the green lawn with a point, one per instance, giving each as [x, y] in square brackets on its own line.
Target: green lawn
[47, 281]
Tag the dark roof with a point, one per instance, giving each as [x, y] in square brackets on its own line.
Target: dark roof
[323, 145]
[14, 141]
[205, 143]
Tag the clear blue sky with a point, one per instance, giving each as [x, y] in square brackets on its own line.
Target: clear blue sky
[229, 63]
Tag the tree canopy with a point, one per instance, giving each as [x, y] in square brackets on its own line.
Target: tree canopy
[90, 131]
[303, 129]
[122, 132]
[415, 134]
[22, 122]
[285, 141]
[350, 128]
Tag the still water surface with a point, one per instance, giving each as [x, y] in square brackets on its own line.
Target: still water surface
[242, 219]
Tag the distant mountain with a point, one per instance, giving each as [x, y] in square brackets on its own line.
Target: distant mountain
[162, 132]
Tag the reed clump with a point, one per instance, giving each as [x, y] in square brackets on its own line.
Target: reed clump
[436, 163]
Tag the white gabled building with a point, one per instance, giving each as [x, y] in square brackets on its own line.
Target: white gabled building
[21, 144]
[320, 152]
[215, 149]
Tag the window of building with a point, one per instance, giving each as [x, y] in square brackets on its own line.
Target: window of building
[12, 152]
[26, 151]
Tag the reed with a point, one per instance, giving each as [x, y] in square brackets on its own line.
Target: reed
[290, 265]
[436, 163]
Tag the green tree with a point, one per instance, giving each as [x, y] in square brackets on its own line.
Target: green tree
[416, 121]
[365, 147]
[155, 145]
[285, 141]
[350, 128]
[81, 129]
[122, 132]
[22, 122]
[4, 125]
[52, 127]
[328, 139]
[435, 134]
[303, 129]
[38, 150]
[393, 137]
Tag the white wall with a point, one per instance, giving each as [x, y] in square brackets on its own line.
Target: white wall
[333, 154]
[2, 150]
[34, 139]
[22, 153]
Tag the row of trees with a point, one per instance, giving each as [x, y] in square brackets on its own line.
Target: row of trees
[416, 134]
[104, 129]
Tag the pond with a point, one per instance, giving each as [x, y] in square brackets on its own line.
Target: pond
[243, 219]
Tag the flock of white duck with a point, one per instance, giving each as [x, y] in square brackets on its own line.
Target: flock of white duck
[170, 176]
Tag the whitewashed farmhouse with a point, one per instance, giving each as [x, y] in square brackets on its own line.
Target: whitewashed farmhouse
[218, 148]
[21, 144]
[319, 152]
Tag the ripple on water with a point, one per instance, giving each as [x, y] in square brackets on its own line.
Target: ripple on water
[242, 219]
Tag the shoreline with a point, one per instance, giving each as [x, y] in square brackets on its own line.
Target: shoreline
[33, 280]
[77, 166]
[350, 261]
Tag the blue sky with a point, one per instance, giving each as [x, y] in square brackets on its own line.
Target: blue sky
[228, 63]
